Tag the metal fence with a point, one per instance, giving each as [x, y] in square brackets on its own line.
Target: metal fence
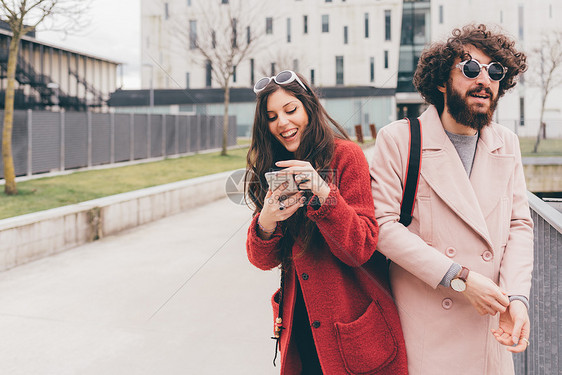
[45, 141]
[544, 355]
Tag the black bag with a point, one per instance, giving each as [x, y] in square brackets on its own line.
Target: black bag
[412, 173]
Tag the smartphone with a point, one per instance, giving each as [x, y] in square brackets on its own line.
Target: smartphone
[275, 179]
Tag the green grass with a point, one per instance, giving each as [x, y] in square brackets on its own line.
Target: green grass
[547, 147]
[50, 192]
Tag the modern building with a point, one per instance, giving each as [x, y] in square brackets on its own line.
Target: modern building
[49, 76]
[338, 44]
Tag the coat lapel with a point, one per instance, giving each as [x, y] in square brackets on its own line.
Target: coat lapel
[443, 171]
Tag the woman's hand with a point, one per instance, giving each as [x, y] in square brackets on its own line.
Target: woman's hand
[277, 206]
[306, 177]
[514, 327]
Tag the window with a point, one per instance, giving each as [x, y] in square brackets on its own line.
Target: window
[209, 74]
[187, 83]
[305, 22]
[213, 39]
[295, 65]
[248, 35]
[188, 3]
[234, 74]
[234, 33]
[339, 70]
[325, 23]
[441, 14]
[345, 35]
[328, 1]
[521, 21]
[312, 76]
[252, 77]
[501, 16]
[550, 10]
[386, 59]
[272, 69]
[372, 69]
[269, 25]
[522, 111]
[366, 25]
[288, 30]
[224, 1]
[387, 25]
[192, 34]
[166, 11]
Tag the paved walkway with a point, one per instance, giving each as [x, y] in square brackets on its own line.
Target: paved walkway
[177, 296]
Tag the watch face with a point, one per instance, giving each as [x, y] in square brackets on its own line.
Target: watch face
[458, 285]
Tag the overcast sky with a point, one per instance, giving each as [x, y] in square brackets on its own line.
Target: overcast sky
[113, 32]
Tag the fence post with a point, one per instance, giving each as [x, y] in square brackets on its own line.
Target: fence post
[148, 135]
[112, 138]
[164, 135]
[132, 137]
[177, 134]
[198, 133]
[29, 142]
[89, 121]
[62, 141]
[359, 133]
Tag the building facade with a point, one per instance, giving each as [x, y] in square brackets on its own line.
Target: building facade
[53, 77]
[341, 43]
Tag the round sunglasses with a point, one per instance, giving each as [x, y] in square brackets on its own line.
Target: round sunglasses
[472, 69]
[283, 78]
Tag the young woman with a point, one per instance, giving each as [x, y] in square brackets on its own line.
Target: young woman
[333, 312]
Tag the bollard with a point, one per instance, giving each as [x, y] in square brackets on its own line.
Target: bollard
[373, 131]
[359, 133]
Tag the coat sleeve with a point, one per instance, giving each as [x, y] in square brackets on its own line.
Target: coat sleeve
[264, 254]
[397, 242]
[517, 263]
[346, 219]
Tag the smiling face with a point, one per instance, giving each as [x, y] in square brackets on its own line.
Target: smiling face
[471, 102]
[287, 118]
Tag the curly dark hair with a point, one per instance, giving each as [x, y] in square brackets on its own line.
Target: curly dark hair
[437, 60]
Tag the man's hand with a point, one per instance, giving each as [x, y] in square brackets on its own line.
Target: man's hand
[485, 295]
[514, 327]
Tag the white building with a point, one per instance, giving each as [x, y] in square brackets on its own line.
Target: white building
[339, 43]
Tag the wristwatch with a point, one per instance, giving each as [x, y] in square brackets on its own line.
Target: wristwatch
[459, 282]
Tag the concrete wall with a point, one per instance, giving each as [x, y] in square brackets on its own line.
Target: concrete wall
[30, 237]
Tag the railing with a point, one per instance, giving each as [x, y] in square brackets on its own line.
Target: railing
[544, 355]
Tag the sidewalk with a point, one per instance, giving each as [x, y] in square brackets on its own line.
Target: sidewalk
[177, 296]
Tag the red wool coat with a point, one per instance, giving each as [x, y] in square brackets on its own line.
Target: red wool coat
[355, 324]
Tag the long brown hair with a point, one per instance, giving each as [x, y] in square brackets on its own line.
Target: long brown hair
[317, 147]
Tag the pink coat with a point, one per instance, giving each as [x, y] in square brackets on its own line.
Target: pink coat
[482, 222]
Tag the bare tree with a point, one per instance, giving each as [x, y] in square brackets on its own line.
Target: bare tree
[226, 35]
[24, 16]
[279, 60]
[545, 72]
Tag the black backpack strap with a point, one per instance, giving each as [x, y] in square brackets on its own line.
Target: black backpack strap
[412, 173]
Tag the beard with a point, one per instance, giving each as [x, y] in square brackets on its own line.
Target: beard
[464, 114]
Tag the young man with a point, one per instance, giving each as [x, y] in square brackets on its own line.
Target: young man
[461, 271]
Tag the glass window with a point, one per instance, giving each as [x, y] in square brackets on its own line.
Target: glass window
[234, 33]
[209, 74]
[269, 25]
[325, 23]
[166, 10]
[224, 1]
[252, 76]
[328, 1]
[234, 74]
[248, 35]
[192, 34]
[295, 65]
[312, 76]
[213, 39]
[386, 59]
[345, 35]
[188, 3]
[187, 83]
[521, 22]
[305, 22]
[440, 14]
[288, 30]
[339, 70]
[387, 25]
[272, 69]
[522, 110]
[372, 69]
[366, 25]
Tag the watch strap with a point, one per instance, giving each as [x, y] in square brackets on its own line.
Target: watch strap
[463, 275]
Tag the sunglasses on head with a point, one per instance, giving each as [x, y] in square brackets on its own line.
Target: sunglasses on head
[283, 78]
[472, 69]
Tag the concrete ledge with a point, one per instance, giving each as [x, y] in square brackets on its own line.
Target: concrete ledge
[34, 236]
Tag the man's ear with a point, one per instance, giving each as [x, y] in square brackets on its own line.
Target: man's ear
[441, 88]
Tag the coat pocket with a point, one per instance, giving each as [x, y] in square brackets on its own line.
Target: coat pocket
[367, 344]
